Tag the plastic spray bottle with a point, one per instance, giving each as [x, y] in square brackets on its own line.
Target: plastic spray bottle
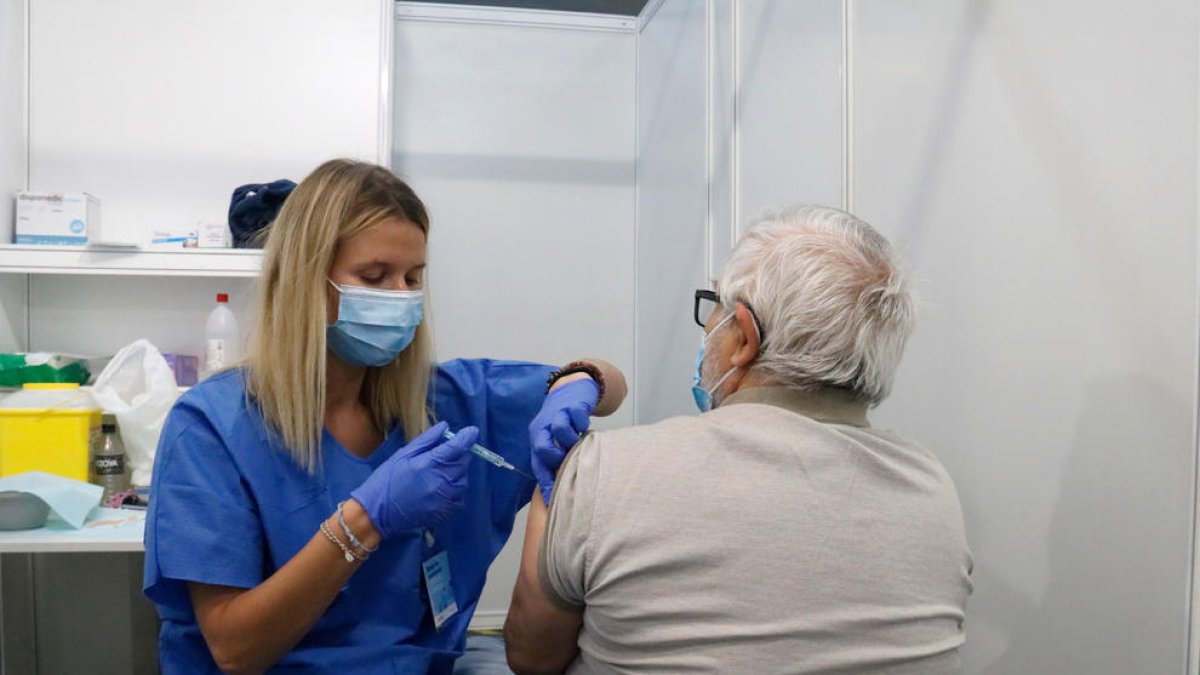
[221, 344]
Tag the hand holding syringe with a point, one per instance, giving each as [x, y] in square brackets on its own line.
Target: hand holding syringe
[489, 456]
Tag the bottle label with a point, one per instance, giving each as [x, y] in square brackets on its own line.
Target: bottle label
[216, 354]
[109, 465]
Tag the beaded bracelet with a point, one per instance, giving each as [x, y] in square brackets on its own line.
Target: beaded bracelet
[350, 535]
[350, 556]
[573, 367]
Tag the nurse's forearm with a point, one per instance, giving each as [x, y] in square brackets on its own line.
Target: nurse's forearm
[539, 637]
[614, 386]
[249, 630]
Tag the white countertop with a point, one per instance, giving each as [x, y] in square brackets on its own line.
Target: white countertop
[105, 530]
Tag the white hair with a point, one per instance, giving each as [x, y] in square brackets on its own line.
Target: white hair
[833, 306]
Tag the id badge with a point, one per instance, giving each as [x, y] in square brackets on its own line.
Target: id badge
[440, 592]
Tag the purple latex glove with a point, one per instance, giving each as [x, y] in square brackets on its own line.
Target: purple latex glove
[421, 485]
[564, 416]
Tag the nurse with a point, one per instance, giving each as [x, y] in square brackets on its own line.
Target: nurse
[304, 515]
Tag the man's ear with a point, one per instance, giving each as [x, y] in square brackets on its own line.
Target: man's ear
[746, 348]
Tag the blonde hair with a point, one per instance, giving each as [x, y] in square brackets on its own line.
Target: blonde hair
[285, 368]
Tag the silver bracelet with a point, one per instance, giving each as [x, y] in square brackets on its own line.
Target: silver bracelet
[350, 556]
[350, 535]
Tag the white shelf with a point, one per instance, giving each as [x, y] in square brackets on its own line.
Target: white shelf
[196, 262]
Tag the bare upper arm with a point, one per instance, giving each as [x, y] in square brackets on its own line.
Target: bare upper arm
[209, 603]
[546, 635]
[542, 630]
[208, 600]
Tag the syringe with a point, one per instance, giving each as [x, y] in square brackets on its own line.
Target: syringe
[489, 456]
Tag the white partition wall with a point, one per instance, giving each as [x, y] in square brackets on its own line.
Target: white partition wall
[12, 109]
[776, 113]
[98, 315]
[789, 104]
[672, 205]
[740, 107]
[13, 147]
[161, 109]
[1036, 165]
[519, 136]
[520, 141]
[1041, 182]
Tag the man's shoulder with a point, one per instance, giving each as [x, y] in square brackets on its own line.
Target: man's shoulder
[686, 432]
[646, 452]
[668, 432]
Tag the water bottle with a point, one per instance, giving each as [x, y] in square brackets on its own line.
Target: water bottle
[108, 467]
[221, 346]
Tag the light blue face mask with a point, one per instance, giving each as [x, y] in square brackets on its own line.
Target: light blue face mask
[373, 326]
[704, 397]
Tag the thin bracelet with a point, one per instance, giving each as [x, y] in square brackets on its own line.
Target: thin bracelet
[350, 535]
[350, 556]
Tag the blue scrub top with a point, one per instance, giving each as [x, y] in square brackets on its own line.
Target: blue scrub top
[229, 507]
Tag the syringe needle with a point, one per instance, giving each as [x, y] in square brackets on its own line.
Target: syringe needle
[489, 456]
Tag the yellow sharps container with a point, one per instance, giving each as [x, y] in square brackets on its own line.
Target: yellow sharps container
[47, 427]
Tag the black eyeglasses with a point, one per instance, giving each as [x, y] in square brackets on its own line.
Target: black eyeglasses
[707, 302]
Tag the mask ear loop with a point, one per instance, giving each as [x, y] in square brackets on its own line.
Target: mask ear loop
[719, 326]
[711, 392]
[757, 332]
[339, 300]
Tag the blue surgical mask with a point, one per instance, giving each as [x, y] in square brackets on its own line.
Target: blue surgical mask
[373, 326]
[704, 396]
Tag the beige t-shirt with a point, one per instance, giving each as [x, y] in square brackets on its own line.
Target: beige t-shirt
[776, 534]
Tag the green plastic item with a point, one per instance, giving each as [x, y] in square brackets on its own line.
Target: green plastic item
[19, 369]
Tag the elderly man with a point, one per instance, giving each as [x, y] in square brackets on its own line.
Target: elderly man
[778, 532]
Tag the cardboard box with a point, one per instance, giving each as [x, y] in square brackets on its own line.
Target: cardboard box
[56, 219]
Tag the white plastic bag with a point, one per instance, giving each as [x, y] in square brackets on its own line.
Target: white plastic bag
[138, 387]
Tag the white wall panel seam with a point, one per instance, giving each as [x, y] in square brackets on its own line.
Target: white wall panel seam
[26, 87]
[723, 133]
[387, 30]
[1192, 662]
[735, 153]
[637, 221]
[530, 18]
[709, 112]
[848, 105]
